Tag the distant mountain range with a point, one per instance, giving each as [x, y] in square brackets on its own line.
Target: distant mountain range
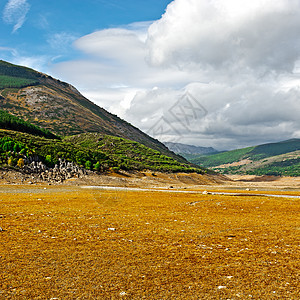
[184, 149]
[282, 158]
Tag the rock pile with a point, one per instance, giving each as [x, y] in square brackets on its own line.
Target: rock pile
[62, 170]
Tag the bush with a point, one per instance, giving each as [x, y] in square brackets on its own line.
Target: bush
[21, 163]
[88, 165]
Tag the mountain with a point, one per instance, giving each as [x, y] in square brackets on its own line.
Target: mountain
[59, 107]
[188, 151]
[282, 158]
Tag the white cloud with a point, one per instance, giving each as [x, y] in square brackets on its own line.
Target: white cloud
[10, 50]
[61, 41]
[256, 35]
[15, 12]
[239, 60]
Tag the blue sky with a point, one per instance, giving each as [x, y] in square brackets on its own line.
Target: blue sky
[35, 28]
[146, 61]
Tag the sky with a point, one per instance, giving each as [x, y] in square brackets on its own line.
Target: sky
[214, 73]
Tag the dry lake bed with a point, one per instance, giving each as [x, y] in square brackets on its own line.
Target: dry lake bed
[67, 242]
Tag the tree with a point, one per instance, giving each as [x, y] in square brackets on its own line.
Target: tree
[97, 166]
[10, 161]
[88, 164]
[48, 160]
[21, 163]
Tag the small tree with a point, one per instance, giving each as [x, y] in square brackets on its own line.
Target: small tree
[97, 166]
[21, 163]
[10, 161]
[48, 160]
[88, 164]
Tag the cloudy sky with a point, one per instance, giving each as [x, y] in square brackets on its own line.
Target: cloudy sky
[204, 72]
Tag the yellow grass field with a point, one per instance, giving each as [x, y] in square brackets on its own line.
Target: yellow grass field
[73, 243]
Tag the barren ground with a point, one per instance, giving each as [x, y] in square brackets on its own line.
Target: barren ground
[67, 242]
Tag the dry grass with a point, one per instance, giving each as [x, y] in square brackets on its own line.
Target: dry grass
[57, 244]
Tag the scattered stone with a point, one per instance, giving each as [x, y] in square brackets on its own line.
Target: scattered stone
[1, 229]
[220, 287]
[111, 229]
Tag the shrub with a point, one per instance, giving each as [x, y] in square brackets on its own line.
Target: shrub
[21, 163]
[88, 164]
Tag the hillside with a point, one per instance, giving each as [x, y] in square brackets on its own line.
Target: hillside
[91, 151]
[10, 122]
[59, 107]
[282, 158]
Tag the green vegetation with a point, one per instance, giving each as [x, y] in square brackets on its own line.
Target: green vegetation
[91, 151]
[272, 149]
[130, 155]
[223, 158]
[15, 82]
[289, 167]
[17, 71]
[267, 159]
[8, 121]
[12, 151]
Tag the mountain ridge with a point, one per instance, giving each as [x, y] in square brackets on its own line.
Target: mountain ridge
[183, 149]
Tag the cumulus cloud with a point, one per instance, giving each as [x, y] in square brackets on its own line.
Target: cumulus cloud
[236, 62]
[15, 12]
[259, 35]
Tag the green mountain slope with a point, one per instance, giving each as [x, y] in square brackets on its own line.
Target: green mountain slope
[282, 158]
[92, 151]
[60, 108]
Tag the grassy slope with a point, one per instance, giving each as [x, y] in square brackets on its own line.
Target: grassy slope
[266, 159]
[222, 158]
[93, 151]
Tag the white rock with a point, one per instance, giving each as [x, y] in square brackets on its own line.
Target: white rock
[220, 287]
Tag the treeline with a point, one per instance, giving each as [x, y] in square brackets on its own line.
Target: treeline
[17, 71]
[15, 82]
[10, 122]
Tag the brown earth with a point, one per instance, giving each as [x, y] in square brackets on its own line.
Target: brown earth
[65, 242]
[145, 179]
[150, 179]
